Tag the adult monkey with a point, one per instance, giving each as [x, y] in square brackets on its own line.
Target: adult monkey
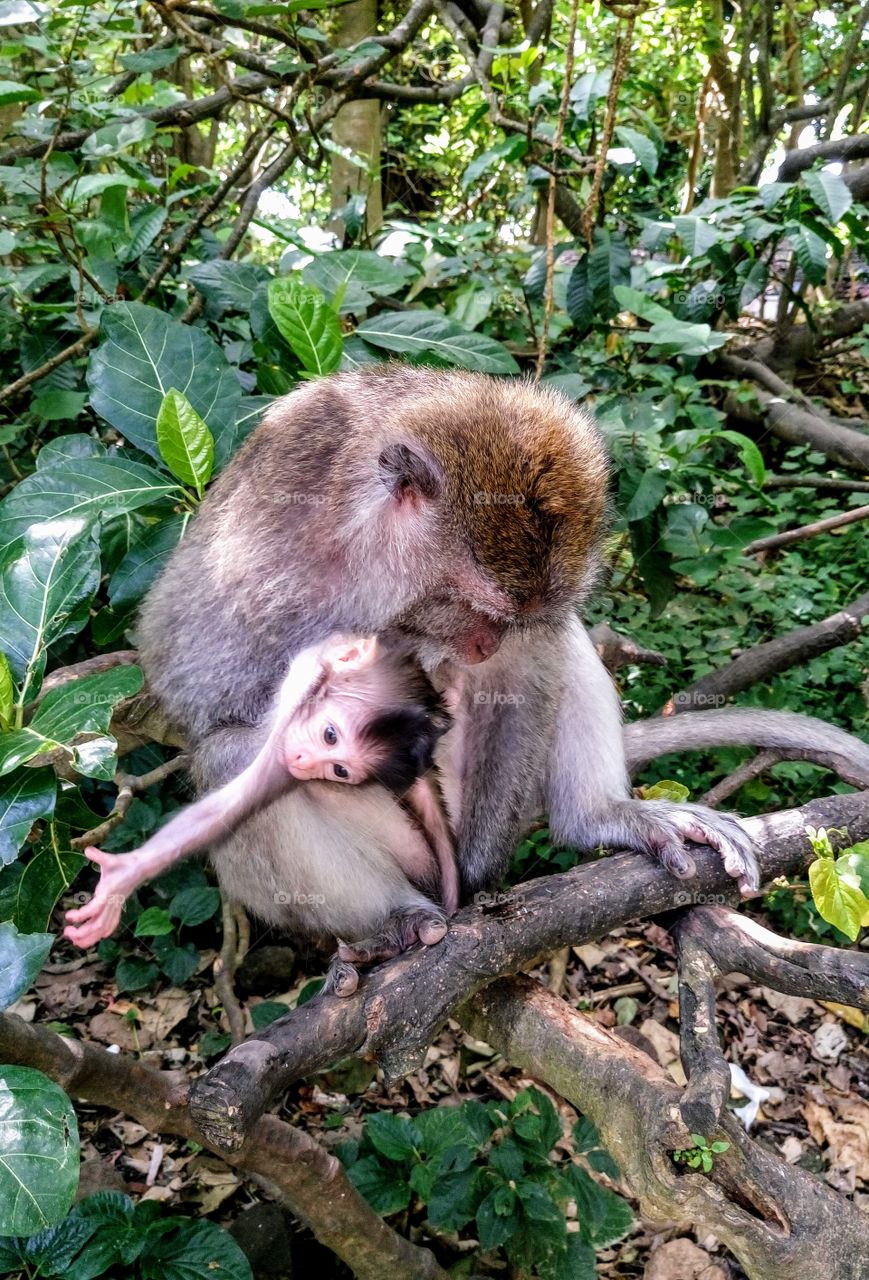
[468, 512]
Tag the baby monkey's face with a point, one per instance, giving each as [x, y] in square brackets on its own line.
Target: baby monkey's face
[326, 745]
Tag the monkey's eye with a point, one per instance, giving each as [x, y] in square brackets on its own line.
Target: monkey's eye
[340, 770]
[330, 736]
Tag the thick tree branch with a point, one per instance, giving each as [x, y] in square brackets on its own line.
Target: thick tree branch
[400, 1006]
[778, 1220]
[311, 1182]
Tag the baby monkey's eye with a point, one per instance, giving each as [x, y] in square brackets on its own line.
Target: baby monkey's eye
[330, 735]
[340, 770]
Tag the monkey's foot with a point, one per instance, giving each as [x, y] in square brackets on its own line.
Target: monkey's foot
[401, 931]
[341, 979]
[662, 828]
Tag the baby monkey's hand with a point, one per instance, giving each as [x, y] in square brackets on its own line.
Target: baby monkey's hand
[100, 917]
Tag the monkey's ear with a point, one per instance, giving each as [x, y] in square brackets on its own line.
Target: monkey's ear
[410, 472]
[354, 653]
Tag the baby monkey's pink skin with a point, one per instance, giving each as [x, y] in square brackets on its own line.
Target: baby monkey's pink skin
[269, 775]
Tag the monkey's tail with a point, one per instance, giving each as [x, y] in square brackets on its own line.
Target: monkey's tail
[746, 726]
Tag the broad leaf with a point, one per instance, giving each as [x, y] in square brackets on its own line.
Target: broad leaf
[81, 489]
[307, 324]
[360, 273]
[830, 192]
[609, 266]
[230, 286]
[25, 796]
[184, 440]
[839, 900]
[47, 581]
[194, 1248]
[39, 1152]
[142, 355]
[643, 148]
[428, 334]
[144, 561]
[22, 955]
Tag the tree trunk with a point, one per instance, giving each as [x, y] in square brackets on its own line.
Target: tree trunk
[357, 127]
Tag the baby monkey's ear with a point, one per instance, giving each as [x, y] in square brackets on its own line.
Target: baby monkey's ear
[350, 653]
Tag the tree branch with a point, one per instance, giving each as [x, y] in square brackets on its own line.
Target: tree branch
[401, 1005]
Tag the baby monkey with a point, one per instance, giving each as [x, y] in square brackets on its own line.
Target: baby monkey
[351, 710]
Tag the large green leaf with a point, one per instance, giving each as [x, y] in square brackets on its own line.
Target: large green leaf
[193, 1249]
[358, 275]
[643, 148]
[47, 581]
[231, 286]
[39, 1152]
[83, 488]
[427, 333]
[81, 707]
[22, 955]
[830, 192]
[143, 562]
[25, 796]
[142, 355]
[811, 253]
[609, 266]
[307, 324]
[184, 441]
[838, 895]
[31, 894]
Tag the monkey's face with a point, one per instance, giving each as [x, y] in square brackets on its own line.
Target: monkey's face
[444, 627]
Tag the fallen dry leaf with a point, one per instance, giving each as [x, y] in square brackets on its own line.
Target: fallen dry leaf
[682, 1260]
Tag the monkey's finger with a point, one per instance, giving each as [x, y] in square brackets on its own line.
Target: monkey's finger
[673, 857]
[369, 951]
[343, 979]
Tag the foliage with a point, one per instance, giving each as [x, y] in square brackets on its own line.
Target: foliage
[107, 1235]
[488, 1169]
[840, 885]
[701, 1155]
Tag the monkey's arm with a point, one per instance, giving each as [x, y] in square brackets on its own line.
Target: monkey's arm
[207, 821]
[425, 802]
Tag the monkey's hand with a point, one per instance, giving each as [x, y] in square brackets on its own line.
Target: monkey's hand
[100, 917]
[661, 829]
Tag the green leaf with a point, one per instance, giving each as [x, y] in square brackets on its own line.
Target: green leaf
[830, 193]
[142, 355]
[81, 489]
[384, 1187]
[230, 286]
[112, 139]
[7, 692]
[640, 304]
[144, 561]
[36, 891]
[496, 1220]
[667, 789]
[146, 226]
[264, 1014]
[696, 234]
[307, 323]
[134, 974]
[510, 150]
[195, 906]
[22, 955]
[429, 334]
[604, 1217]
[11, 91]
[609, 267]
[643, 148]
[25, 796]
[185, 443]
[749, 453]
[154, 922]
[393, 1136]
[839, 901]
[362, 275]
[151, 59]
[192, 1250]
[39, 1152]
[47, 581]
[648, 495]
[579, 299]
[811, 253]
[684, 338]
